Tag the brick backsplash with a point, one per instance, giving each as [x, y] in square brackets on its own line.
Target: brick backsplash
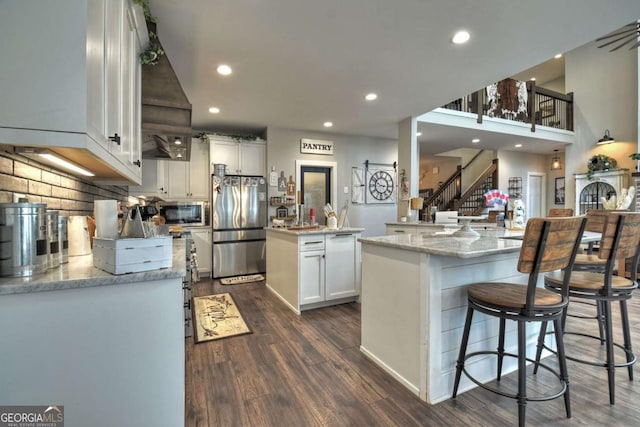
[41, 184]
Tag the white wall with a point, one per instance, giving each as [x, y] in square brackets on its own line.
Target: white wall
[513, 163]
[446, 166]
[283, 149]
[605, 85]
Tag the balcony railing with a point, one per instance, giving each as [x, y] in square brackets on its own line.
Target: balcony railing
[507, 100]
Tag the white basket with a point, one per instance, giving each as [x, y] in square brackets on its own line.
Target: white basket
[120, 256]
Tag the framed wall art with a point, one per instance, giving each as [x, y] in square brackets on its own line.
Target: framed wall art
[559, 191]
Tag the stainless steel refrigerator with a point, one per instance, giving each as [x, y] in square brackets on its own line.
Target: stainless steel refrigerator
[238, 218]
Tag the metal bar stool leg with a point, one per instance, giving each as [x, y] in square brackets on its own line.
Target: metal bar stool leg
[562, 362]
[501, 347]
[522, 371]
[540, 346]
[600, 321]
[610, 362]
[624, 315]
[463, 350]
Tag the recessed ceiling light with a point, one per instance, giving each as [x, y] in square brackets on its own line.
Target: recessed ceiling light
[533, 79]
[327, 124]
[418, 133]
[518, 145]
[475, 140]
[371, 97]
[461, 37]
[214, 110]
[558, 56]
[224, 69]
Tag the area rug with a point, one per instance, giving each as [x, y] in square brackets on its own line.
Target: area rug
[217, 316]
[241, 279]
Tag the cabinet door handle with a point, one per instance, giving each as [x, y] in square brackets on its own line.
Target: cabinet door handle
[398, 231]
[342, 235]
[115, 138]
[137, 163]
[312, 243]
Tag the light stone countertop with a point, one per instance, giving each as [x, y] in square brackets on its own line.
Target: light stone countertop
[491, 241]
[79, 272]
[429, 224]
[321, 230]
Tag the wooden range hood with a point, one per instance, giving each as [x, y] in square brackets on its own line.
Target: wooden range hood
[166, 112]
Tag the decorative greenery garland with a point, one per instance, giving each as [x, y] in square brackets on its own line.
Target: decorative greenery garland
[599, 162]
[153, 51]
[204, 136]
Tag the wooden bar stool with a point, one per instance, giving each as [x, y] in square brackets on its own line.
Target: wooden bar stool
[549, 244]
[554, 212]
[620, 240]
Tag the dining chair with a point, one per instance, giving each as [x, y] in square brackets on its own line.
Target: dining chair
[620, 240]
[548, 244]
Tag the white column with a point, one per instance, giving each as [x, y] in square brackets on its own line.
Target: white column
[408, 159]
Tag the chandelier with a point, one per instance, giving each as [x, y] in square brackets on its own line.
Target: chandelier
[625, 35]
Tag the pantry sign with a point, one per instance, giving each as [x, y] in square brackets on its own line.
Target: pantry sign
[316, 146]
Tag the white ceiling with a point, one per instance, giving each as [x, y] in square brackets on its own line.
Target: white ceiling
[299, 63]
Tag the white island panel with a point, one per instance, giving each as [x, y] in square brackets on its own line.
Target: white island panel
[414, 304]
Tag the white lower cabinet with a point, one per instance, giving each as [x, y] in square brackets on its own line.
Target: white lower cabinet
[308, 270]
[342, 265]
[202, 240]
[312, 273]
[328, 267]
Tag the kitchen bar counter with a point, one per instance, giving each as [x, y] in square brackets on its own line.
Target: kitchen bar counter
[414, 300]
[79, 272]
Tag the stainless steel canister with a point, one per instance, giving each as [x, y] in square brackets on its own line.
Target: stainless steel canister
[23, 239]
[63, 238]
[219, 169]
[53, 258]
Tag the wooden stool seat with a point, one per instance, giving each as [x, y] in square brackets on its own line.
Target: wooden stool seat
[510, 296]
[589, 261]
[589, 282]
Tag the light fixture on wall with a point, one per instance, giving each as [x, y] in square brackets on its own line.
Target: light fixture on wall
[555, 161]
[49, 157]
[606, 139]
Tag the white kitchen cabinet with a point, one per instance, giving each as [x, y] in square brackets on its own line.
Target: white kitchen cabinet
[342, 265]
[153, 180]
[190, 180]
[176, 180]
[311, 274]
[202, 240]
[75, 84]
[327, 271]
[241, 158]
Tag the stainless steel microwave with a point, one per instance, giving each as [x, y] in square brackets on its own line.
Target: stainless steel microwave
[188, 214]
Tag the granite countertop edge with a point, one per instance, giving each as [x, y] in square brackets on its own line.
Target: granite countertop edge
[316, 231]
[446, 245]
[79, 272]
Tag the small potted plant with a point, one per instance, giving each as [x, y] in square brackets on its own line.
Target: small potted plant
[600, 162]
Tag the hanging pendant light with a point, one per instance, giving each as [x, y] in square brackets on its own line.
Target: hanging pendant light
[606, 139]
[555, 161]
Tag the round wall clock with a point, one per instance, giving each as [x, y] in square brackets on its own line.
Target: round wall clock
[381, 185]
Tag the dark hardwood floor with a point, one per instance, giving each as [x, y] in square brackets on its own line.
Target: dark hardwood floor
[308, 371]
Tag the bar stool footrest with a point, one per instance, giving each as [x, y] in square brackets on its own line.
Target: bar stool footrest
[543, 398]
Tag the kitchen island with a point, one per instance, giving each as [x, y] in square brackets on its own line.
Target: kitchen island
[414, 305]
[313, 268]
[109, 348]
